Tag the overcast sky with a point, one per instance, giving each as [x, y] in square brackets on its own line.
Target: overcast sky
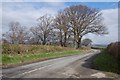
[27, 12]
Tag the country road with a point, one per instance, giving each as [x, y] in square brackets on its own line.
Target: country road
[65, 67]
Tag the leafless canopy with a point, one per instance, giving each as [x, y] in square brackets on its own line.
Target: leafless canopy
[69, 25]
[43, 29]
[61, 23]
[16, 34]
[84, 20]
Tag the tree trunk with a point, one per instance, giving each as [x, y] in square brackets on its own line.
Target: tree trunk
[74, 42]
[44, 42]
[78, 43]
[61, 42]
[65, 39]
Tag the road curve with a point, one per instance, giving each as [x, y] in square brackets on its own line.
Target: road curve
[65, 67]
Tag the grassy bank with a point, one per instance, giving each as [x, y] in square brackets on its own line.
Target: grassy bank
[19, 54]
[15, 59]
[106, 62]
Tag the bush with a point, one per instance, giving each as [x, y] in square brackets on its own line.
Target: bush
[114, 49]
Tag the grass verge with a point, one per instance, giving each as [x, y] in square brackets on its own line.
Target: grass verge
[106, 62]
[18, 58]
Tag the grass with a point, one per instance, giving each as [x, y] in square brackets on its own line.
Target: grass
[16, 59]
[13, 54]
[106, 62]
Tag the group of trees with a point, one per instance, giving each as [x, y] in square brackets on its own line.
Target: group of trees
[68, 26]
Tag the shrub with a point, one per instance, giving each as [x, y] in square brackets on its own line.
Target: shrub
[114, 49]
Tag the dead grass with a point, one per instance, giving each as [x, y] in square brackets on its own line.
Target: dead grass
[26, 49]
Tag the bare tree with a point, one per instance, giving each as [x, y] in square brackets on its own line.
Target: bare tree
[84, 20]
[43, 29]
[36, 35]
[61, 23]
[16, 34]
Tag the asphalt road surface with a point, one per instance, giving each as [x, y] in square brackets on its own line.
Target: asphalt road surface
[77, 66]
